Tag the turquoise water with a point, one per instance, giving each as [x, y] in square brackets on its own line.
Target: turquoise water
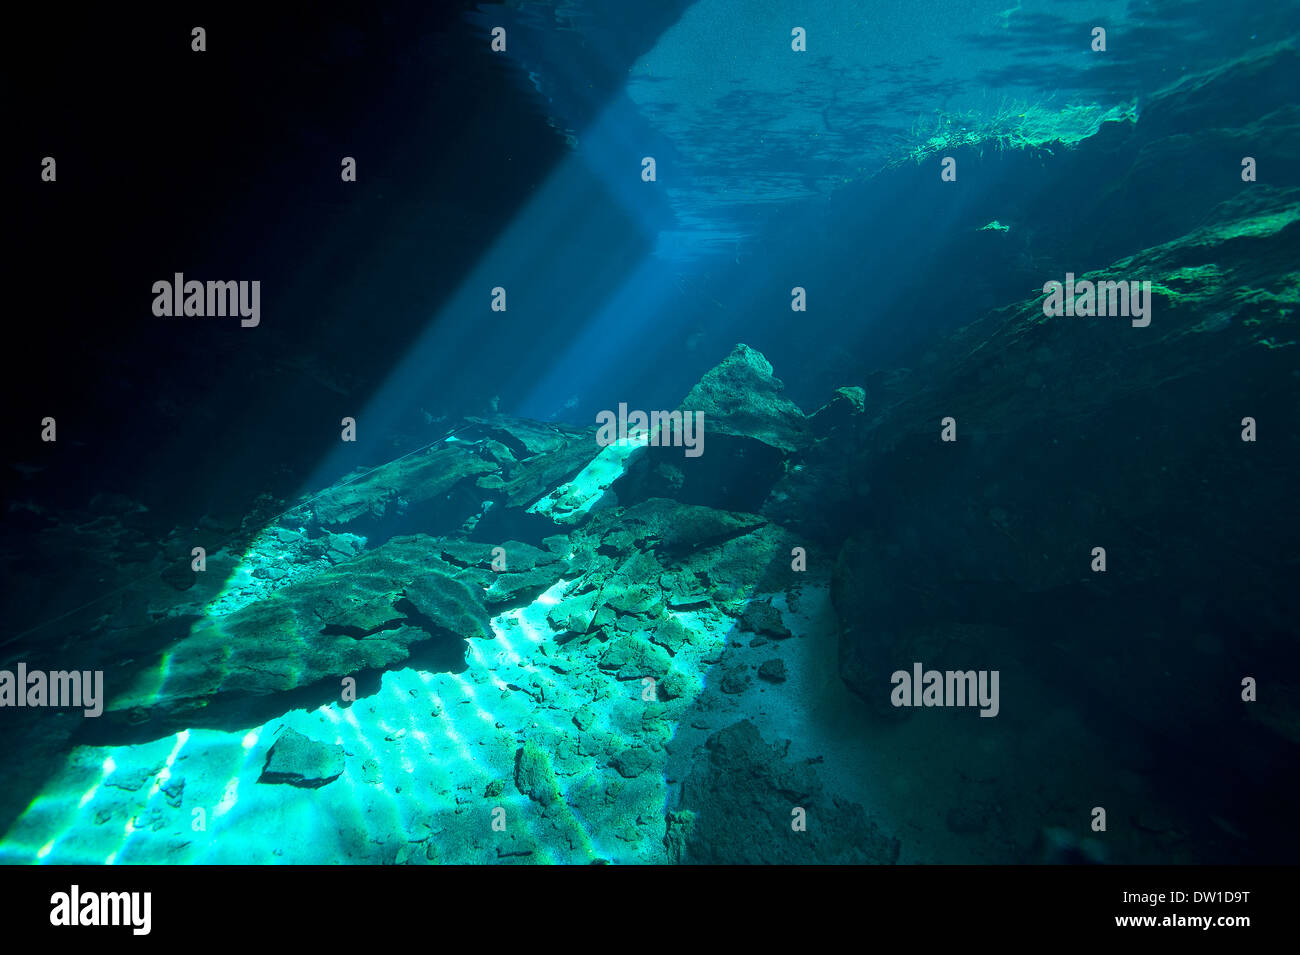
[483, 633]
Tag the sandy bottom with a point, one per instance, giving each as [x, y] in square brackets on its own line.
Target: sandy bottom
[430, 762]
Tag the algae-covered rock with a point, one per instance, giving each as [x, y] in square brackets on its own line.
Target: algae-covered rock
[632, 658]
[763, 618]
[772, 670]
[449, 604]
[573, 614]
[669, 528]
[632, 762]
[413, 480]
[671, 634]
[296, 760]
[356, 616]
[742, 397]
[534, 777]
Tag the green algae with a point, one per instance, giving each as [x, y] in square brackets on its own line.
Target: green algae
[1010, 126]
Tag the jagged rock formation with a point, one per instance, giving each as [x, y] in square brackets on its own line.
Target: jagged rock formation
[741, 398]
[751, 430]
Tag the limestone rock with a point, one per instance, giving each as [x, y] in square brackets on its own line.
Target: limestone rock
[299, 761]
[765, 619]
[772, 670]
[742, 397]
[449, 604]
[534, 777]
[634, 658]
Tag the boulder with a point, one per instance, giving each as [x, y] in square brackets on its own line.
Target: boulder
[296, 760]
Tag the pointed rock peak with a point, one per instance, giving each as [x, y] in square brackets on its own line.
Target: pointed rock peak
[741, 396]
